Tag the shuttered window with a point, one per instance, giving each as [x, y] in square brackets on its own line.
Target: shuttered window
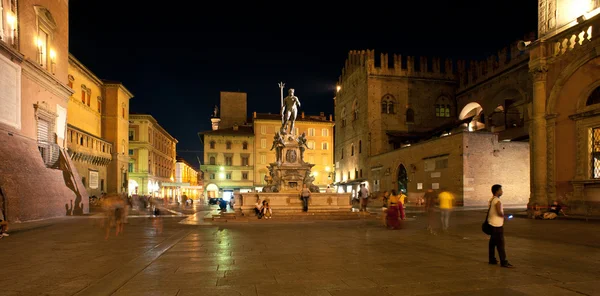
[43, 130]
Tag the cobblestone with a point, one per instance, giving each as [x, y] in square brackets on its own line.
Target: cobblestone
[357, 257]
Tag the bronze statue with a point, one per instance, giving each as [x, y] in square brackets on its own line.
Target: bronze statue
[278, 145]
[289, 110]
[302, 145]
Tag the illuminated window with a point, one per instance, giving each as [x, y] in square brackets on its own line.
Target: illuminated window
[595, 151]
[324, 132]
[311, 132]
[442, 107]
[387, 104]
[83, 93]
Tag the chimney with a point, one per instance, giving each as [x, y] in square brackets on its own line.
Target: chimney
[330, 117]
[254, 114]
[302, 114]
[235, 126]
[322, 114]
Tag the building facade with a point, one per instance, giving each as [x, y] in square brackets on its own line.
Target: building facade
[565, 126]
[152, 154]
[115, 129]
[319, 133]
[373, 99]
[228, 161]
[34, 94]
[186, 174]
[91, 153]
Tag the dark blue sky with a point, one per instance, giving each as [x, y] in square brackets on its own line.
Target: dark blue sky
[176, 58]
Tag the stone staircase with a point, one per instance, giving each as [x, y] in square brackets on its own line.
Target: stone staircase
[215, 216]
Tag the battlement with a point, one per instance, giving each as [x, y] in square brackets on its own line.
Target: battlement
[473, 72]
[465, 72]
[397, 65]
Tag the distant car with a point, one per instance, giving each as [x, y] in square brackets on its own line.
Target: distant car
[213, 200]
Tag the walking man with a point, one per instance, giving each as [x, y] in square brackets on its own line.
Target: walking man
[430, 198]
[446, 201]
[496, 220]
[364, 197]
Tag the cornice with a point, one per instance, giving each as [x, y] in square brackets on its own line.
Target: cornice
[12, 53]
[38, 74]
[76, 63]
[118, 85]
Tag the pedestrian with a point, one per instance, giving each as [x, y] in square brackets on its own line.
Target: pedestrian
[364, 197]
[304, 196]
[496, 220]
[393, 214]
[446, 201]
[430, 198]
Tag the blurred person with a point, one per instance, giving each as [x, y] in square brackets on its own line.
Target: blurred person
[363, 195]
[266, 210]
[403, 199]
[304, 196]
[3, 222]
[430, 198]
[393, 213]
[384, 207]
[496, 220]
[446, 202]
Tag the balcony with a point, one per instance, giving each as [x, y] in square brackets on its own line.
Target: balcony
[85, 147]
[50, 153]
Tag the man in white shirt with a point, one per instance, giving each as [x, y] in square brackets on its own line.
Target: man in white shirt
[364, 197]
[496, 220]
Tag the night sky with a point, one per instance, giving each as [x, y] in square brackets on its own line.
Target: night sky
[176, 56]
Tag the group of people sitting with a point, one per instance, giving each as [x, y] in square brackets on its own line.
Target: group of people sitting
[553, 211]
[263, 209]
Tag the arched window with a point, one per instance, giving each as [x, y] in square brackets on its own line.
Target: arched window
[442, 107]
[245, 145]
[228, 145]
[594, 98]
[212, 160]
[387, 104]
[410, 115]
[212, 144]
[343, 116]
[354, 110]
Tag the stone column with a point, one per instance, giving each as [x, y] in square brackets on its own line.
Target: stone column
[538, 137]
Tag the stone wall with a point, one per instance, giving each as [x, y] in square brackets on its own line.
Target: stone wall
[32, 191]
[488, 162]
[466, 164]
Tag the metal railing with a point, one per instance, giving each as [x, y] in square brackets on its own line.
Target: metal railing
[50, 152]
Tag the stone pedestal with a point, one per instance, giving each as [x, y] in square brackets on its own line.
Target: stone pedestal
[282, 202]
[291, 172]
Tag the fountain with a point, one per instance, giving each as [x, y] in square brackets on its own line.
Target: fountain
[290, 171]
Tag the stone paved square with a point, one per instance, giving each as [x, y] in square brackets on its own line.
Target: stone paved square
[356, 257]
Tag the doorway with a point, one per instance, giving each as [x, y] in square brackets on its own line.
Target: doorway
[402, 179]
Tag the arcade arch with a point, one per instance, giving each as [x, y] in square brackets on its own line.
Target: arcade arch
[212, 190]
